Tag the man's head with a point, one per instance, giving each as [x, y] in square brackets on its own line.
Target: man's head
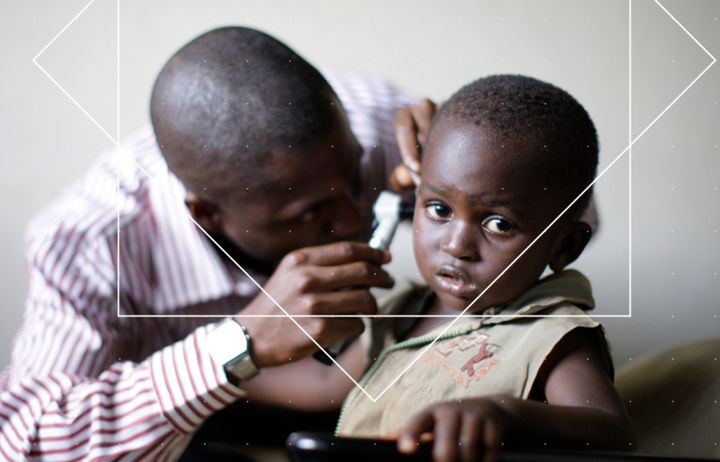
[260, 141]
[505, 155]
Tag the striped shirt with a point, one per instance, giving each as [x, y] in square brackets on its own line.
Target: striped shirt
[105, 371]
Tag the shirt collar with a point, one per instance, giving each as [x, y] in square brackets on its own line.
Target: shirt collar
[565, 287]
[568, 286]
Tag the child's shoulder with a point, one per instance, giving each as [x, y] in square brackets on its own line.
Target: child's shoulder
[568, 287]
[558, 302]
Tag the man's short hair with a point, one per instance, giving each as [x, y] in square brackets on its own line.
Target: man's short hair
[229, 98]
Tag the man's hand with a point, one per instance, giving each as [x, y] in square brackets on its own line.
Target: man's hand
[461, 430]
[324, 280]
[411, 130]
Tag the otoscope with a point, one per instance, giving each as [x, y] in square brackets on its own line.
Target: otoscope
[388, 211]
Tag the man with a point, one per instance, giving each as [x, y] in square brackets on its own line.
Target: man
[277, 169]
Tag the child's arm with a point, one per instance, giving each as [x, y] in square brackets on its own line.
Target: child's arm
[308, 384]
[582, 410]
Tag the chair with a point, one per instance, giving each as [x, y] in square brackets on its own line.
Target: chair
[673, 397]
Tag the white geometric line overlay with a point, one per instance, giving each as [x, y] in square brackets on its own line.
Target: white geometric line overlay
[119, 153]
[113, 139]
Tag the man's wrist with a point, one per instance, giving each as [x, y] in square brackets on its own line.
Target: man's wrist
[230, 346]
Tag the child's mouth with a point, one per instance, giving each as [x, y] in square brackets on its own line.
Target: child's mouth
[455, 282]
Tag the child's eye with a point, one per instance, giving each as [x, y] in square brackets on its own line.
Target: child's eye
[497, 225]
[438, 211]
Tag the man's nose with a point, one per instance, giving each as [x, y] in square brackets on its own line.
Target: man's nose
[459, 241]
[346, 219]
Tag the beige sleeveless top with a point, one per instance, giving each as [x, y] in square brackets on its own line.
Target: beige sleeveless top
[500, 352]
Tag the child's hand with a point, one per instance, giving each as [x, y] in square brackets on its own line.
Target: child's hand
[461, 430]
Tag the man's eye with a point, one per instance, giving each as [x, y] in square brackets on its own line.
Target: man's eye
[438, 210]
[311, 214]
[497, 225]
[308, 216]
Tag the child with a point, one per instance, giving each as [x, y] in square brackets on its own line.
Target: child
[505, 156]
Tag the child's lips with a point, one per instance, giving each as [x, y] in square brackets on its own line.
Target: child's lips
[455, 281]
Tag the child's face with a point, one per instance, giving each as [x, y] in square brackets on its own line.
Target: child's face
[479, 205]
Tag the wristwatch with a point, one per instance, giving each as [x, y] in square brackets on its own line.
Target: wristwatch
[229, 344]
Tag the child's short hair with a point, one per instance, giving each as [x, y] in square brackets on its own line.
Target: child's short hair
[542, 117]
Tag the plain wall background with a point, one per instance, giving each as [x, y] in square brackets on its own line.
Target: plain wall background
[430, 48]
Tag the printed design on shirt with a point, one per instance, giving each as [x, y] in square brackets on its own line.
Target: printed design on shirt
[465, 359]
[462, 343]
[484, 353]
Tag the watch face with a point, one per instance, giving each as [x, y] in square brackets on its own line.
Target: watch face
[229, 346]
[241, 366]
[227, 342]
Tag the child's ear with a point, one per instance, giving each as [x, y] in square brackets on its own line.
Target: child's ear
[204, 211]
[571, 245]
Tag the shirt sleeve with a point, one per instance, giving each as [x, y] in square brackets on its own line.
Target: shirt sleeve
[370, 103]
[69, 395]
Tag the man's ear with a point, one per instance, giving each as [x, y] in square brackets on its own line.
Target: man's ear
[204, 211]
[571, 245]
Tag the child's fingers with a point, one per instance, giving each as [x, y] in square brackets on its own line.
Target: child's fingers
[447, 434]
[471, 439]
[491, 440]
[491, 434]
[410, 435]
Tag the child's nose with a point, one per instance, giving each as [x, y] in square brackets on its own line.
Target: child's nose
[459, 242]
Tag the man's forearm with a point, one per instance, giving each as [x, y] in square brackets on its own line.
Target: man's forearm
[148, 410]
[316, 386]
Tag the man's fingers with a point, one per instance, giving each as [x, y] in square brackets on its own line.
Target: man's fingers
[338, 253]
[356, 274]
[406, 136]
[402, 179]
[423, 113]
[346, 302]
[412, 126]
